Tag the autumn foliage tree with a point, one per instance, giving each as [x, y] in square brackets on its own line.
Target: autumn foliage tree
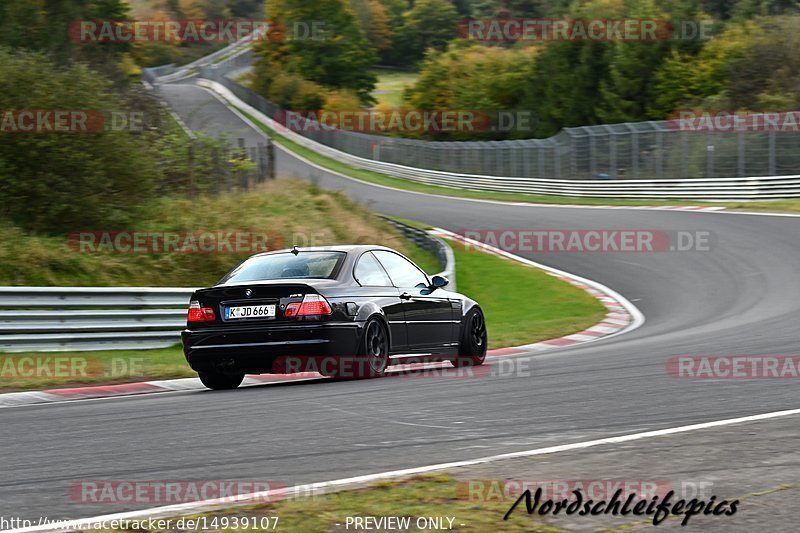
[315, 40]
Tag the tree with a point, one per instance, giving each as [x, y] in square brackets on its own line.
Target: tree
[429, 24]
[45, 25]
[686, 80]
[471, 77]
[92, 178]
[246, 8]
[319, 40]
[629, 88]
[374, 23]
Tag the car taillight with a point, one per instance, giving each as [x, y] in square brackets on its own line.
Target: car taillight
[199, 314]
[312, 304]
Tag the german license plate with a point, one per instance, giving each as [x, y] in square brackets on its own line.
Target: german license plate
[250, 311]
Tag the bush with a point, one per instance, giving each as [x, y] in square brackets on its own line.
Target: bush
[291, 91]
[55, 180]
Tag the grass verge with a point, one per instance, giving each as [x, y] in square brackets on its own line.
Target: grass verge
[787, 206]
[522, 304]
[545, 308]
[284, 212]
[76, 369]
[432, 495]
[391, 84]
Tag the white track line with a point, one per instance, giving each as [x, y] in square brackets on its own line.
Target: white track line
[313, 489]
[354, 482]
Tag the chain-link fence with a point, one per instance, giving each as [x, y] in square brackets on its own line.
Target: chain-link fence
[655, 150]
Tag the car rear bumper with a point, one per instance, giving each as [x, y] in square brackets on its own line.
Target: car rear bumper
[264, 349]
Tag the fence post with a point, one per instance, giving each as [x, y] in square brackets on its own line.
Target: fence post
[741, 165]
[190, 168]
[270, 158]
[659, 154]
[242, 156]
[709, 155]
[556, 160]
[685, 157]
[772, 165]
[228, 169]
[573, 148]
[253, 170]
[612, 155]
[261, 166]
[215, 169]
[540, 159]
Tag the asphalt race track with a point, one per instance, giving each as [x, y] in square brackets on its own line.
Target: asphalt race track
[740, 298]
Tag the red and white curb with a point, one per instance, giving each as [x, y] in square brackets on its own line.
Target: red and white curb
[16, 399]
[701, 208]
[621, 316]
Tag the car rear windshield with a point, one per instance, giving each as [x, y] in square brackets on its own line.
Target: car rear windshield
[304, 265]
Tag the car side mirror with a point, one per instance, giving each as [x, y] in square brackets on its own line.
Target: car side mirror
[438, 282]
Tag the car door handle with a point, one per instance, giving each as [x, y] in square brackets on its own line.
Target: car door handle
[405, 296]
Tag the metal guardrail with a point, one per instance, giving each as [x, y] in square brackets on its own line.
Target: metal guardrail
[632, 154]
[52, 319]
[631, 160]
[739, 188]
[426, 241]
[91, 318]
[169, 73]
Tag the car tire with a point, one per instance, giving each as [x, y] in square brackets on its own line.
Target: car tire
[220, 381]
[472, 345]
[372, 358]
[374, 352]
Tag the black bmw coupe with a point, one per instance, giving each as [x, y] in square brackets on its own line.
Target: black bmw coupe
[347, 311]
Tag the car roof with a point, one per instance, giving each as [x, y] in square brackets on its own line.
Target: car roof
[346, 248]
[352, 251]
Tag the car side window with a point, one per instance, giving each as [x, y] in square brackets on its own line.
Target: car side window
[401, 270]
[370, 273]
